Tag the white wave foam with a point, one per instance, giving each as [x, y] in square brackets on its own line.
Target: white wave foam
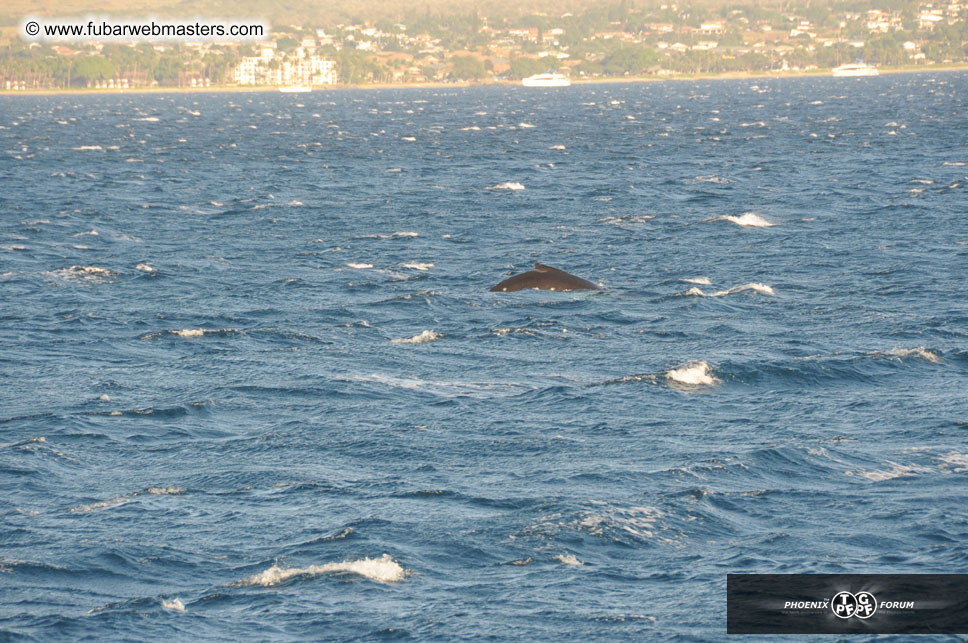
[896, 471]
[954, 163]
[568, 559]
[189, 332]
[37, 440]
[120, 500]
[422, 338]
[395, 170]
[148, 119]
[507, 185]
[393, 235]
[143, 267]
[557, 147]
[506, 331]
[747, 220]
[918, 353]
[957, 461]
[712, 178]
[702, 281]
[359, 266]
[525, 125]
[637, 218]
[423, 267]
[192, 332]
[763, 289]
[174, 605]
[164, 491]
[444, 388]
[696, 374]
[381, 570]
[88, 148]
[82, 274]
[640, 522]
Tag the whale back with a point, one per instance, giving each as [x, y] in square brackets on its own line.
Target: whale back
[544, 278]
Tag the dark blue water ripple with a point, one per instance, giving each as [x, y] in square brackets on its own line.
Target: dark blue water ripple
[254, 385]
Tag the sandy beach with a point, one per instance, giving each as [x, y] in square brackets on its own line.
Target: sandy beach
[446, 85]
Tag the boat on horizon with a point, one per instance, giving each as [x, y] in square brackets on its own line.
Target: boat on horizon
[854, 69]
[296, 89]
[551, 79]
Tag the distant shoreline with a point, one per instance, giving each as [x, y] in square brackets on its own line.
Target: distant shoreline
[235, 89]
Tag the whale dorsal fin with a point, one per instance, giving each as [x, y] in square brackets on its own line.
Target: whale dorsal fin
[540, 267]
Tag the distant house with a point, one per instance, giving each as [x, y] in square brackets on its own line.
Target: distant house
[712, 28]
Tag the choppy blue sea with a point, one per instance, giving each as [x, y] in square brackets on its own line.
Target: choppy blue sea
[253, 384]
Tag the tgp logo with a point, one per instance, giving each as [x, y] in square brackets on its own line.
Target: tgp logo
[861, 605]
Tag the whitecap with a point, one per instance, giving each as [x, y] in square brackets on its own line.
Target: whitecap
[381, 570]
[747, 220]
[120, 500]
[958, 462]
[196, 332]
[763, 289]
[189, 332]
[568, 559]
[623, 220]
[525, 125]
[143, 267]
[895, 471]
[423, 267]
[422, 338]
[702, 281]
[82, 274]
[508, 185]
[918, 353]
[695, 291]
[174, 605]
[557, 147]
[359, 266]
[393, 235]
[695, 374]
[148, 119]
[88, 148]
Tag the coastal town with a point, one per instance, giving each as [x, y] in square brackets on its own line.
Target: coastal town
[617, 41]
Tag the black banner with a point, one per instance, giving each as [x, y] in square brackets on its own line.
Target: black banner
[847, 603]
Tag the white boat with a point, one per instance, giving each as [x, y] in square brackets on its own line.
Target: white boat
[854, 69]
[551, 79]
[296, 89]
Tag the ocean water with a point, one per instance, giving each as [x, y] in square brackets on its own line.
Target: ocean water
[253, 384]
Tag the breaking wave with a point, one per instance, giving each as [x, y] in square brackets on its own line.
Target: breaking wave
[381, 570]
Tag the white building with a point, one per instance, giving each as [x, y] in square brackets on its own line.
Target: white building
[308, 70]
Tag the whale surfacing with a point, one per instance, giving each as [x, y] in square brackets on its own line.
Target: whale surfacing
[544, 278]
